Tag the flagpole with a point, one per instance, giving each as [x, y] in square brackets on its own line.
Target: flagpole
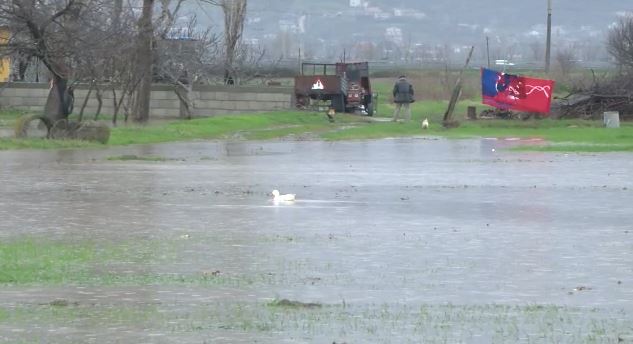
[549, 36]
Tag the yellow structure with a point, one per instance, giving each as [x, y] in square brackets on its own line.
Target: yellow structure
[5, 63]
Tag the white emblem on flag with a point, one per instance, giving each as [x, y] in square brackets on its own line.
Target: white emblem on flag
[318, 85]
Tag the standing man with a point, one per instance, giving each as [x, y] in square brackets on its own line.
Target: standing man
[402, 97]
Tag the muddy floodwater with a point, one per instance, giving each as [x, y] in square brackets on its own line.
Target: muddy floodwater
[389, 241]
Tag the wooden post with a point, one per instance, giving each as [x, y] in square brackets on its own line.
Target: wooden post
[457, 91]
[472, 113]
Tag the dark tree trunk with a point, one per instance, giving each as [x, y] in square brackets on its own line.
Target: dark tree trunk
[184, 91]
[144, 63]
[23, 65]
[228, 78]
[99, 102]
[60, 100]
[117, 106]
[85, 103]
[234, 14]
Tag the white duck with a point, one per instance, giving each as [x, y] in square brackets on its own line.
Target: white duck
[285, 198]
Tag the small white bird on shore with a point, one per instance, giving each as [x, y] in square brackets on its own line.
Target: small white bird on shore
[425, 123]
[286, 198]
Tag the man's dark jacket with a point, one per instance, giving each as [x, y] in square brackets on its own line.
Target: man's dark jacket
[402, 92]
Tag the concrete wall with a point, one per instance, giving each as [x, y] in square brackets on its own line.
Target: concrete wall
[208, 100]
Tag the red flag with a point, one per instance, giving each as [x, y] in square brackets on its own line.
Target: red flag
[513, 92]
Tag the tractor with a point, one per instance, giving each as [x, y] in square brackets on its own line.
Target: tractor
[345, 85]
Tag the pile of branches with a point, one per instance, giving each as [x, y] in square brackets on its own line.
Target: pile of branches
[615, 94]
[506, 114]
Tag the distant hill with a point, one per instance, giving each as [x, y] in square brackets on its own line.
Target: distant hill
[329, 26]
[507, 17]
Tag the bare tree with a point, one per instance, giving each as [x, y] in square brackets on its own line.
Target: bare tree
[248, 62]
[620, 42]
[536, 48]
[566, 60]
[48, 30]
[121, 75]
[168, 14]
[93, 42]
[117, 10]
[185, 59]
[234, 16]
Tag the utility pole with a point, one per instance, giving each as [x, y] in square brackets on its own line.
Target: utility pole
[549, 36]
[488, 50]
[299, 59]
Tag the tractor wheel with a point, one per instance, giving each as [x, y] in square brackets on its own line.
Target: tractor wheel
[368, 101]
[302, 102]
[370, 109]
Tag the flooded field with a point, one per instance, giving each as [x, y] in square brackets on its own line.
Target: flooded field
[389, 241]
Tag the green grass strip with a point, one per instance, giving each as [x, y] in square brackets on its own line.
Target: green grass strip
[558, 135]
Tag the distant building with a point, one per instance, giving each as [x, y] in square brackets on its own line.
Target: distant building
[302, 24]
[178, 33]
[355, 3]
[394, 34]
[408, 12]
[417, 14]
[288, 25]
[254, 20]
[377, 12]
[253, 42]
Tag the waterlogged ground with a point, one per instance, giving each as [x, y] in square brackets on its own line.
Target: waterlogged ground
[390, 241]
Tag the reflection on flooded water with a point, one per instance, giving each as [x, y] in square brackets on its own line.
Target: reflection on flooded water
[403, 227]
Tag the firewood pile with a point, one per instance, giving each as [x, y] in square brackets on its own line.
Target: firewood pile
[613, 95]
[505, 114]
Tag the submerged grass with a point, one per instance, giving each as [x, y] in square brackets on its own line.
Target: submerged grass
[132, 157]
[46, 262]
[577, 147]
[29, 260]
[91, 316]
[338, 323]
[37, 143]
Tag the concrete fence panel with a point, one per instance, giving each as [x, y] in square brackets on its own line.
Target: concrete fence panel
[207, 100]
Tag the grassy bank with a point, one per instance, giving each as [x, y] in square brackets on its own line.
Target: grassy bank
[559, 135]
[8, 117]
